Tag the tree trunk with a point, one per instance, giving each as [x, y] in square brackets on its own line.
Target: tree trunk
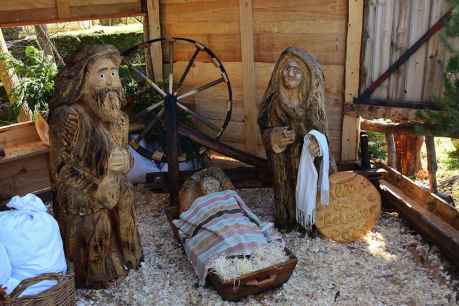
[10, 80]
[408, 153]
[47, 45]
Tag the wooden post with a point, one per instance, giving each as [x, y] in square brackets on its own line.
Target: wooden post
[249, 85]
[391, 151]
[432, 163]
[351, 125]
[10, 80]
[152, 30]
[172, 152]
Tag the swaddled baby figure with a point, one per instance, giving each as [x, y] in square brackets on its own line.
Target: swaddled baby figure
[215, 221]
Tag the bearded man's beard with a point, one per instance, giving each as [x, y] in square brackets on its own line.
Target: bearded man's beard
[107, 102]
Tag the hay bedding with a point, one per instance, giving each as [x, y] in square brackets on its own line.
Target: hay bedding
[391, 266]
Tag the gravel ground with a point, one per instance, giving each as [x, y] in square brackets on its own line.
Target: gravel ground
[392, 265]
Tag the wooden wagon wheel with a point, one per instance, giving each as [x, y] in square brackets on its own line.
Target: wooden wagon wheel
[153, 116]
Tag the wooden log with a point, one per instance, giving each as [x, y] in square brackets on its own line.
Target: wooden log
[432, 163]
[247, 177]
[413, 128]
[391, 151]
[423, 105]
[408, 148]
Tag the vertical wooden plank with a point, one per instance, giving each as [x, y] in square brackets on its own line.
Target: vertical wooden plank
[351, 125]
[433, 81]
[370, 24]
[415, 66]
[249, 85]
[385, 11]
[152, 30]
[63, 8]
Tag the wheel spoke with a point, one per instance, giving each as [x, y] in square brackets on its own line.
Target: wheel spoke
[187, 69]
[202, 88]
[148, 109]
[150, 82]
[146, 131]
[199, 117]
[171, 65]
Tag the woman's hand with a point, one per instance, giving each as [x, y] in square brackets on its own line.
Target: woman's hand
[314, 148]
[281, 137]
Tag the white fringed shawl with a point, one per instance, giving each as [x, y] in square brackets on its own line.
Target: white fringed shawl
[306, 186]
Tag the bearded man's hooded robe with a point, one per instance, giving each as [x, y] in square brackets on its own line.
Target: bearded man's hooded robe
[101, 241]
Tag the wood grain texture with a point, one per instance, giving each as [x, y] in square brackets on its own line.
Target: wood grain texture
[24, 168]
[354, 208]
[317, 26]
[152, 30]
[249, 84]
[26, 12]
[351, 130]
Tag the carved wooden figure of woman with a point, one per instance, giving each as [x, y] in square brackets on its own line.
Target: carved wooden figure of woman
[89, 158]
[293, 104]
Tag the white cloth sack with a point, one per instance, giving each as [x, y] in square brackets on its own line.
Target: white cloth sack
[306, 185]
[32, 242]
[141, 167]
[6, 281]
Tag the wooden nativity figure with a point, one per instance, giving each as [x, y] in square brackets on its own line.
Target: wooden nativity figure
[89, 157]
[293, 105]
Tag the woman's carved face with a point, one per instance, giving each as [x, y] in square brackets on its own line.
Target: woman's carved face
[292, 74]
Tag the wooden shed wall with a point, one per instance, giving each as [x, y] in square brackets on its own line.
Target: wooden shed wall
[391, 27]
[318, 26]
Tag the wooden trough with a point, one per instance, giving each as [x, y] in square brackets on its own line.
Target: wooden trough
[427, 213]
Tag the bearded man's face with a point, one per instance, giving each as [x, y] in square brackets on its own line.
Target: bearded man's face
[104, 93]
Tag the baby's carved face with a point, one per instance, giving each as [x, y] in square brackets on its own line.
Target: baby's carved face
[210, 185]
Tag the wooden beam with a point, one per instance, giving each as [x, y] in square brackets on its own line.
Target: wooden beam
[152, 30]
[221, 147]
[63, 9]
[249, 85]
[395, 114]
[351, 133]
[412, 128]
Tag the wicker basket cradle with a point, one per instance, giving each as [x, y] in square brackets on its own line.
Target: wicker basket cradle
[62, 294]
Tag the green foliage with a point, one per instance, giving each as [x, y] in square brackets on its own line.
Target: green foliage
[376, 145]
[36, 80]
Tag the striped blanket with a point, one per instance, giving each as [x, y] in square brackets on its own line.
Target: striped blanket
[219, 224]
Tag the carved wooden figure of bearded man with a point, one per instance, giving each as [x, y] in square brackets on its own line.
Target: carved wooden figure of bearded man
[89, 157]
[293, 105]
